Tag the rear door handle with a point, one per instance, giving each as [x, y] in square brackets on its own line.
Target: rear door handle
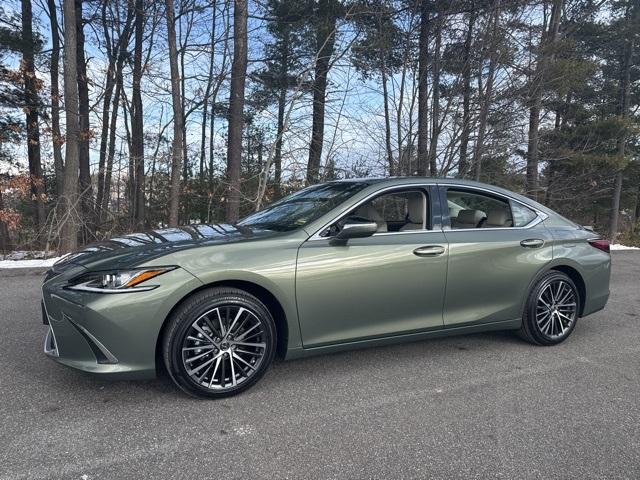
[532, 243]
[429, 251]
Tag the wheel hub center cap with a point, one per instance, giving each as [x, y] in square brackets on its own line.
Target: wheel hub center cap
[224, 346]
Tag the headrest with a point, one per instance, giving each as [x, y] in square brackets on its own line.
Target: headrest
[471, 217]
[367, 211]
[496, 218]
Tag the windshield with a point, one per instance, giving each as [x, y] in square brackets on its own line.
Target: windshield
[303, 207]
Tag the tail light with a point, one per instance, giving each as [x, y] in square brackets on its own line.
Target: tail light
[600, 244]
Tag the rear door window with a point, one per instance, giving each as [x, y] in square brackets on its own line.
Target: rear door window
[475, 209]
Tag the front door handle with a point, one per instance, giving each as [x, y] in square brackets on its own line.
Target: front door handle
[532, 243]
[429, 251]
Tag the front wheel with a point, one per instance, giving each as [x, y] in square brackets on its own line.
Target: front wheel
[552, 310]
[219, 342]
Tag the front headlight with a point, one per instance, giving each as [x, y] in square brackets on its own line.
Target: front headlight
[118, 281]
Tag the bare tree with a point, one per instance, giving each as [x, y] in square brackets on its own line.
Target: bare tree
[236, 107]
[137, 128]
[220, 79]
[31, 107]
[423, 89]
[116, 54]
[176, 100]
[325, 20]
[207, 93]
[55, 97]
[435, 102]
[466, 96]
[85, 128]
[69, 227]
[486, 93]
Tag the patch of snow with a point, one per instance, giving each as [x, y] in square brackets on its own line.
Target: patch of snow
[27, 255]
[617, 246]
[39, 263]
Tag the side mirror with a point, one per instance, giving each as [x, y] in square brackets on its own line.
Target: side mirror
[354, 230]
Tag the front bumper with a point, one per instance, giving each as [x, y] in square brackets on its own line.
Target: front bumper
[110, 334]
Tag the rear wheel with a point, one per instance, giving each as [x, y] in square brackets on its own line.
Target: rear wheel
[552, 310]
[219, 342]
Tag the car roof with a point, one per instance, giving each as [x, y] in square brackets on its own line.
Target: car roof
[390, 181]
[412, 179]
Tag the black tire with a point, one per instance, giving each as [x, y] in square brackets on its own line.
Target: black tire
[531, 329]
[180, 329]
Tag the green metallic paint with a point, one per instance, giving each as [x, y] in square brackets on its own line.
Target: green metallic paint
[127, 324]
[489, 272]
[372, 291]
[570, 249]
[370, 287]
[269, 263]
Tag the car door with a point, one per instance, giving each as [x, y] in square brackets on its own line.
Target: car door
[497, 245]
[387, 284]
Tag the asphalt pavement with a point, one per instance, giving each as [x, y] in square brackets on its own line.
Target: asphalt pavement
[476, 406]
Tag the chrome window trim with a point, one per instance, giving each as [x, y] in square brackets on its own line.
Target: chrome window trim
[316, 236]
[540, 216]
[406, 232]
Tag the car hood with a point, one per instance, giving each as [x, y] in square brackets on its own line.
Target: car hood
[131, 250]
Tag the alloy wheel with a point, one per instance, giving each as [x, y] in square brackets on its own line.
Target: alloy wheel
[224, 347]
[556, 309]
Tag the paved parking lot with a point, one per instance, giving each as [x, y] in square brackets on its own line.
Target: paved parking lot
[478, 406]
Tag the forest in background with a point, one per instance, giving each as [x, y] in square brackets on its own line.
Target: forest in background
[118, 116]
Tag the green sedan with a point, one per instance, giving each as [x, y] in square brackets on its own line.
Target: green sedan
[336, 266]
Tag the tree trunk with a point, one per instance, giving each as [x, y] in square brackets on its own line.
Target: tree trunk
[86, 206]
[487, 95]
[387, 119]
[137, 127]
[544, 55]
[31, 107]
[114, 76]
[236, 108]
[277, 155]
[4, 231]
[325, 43]
[104, 205]
[435, 104]
[69, 230]
[636, 217]
[207, 93]
[466, 97]
[55, 97]
[182, 51]
[282, 103]
[176, 149]
[423, 90]
[226, 14]
[623, 111]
